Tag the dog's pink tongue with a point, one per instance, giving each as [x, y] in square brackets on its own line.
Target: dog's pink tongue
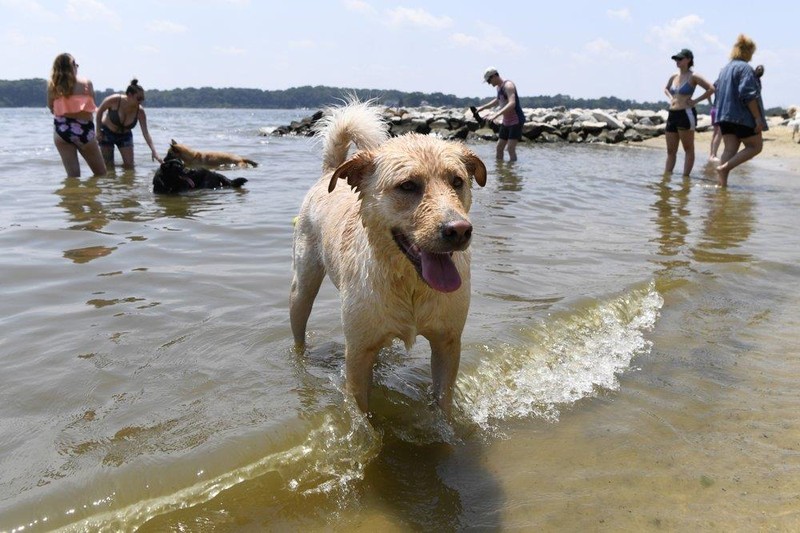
[440, 272]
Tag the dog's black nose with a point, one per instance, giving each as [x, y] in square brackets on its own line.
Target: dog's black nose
[457, 232]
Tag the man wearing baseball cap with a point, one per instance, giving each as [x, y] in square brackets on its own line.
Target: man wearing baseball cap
[510, 109]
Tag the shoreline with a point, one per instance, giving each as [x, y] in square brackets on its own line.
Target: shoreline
[780, 151]
[633, 128]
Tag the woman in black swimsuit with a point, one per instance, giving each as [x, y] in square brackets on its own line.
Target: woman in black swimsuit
[116, 118]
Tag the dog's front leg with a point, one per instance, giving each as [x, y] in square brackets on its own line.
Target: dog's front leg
[445, 358]
[359, 362]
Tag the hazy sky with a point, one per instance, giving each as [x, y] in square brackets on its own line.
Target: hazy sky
[585, 49]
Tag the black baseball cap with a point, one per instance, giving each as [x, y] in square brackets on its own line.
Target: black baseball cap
[683, 54]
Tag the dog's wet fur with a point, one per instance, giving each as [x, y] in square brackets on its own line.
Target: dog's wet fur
[395, 243]
[196, 159]
[173, 177]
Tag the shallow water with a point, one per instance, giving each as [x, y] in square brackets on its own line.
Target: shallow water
[630, 360]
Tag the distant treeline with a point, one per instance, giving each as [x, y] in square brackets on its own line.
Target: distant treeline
[32, 93]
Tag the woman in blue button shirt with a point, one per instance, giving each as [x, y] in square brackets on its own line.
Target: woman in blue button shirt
[740, 111]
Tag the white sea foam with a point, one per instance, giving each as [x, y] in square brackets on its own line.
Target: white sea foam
[568, 358]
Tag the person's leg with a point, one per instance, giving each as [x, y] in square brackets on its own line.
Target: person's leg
[69, 156]
[673, 141]
[127, 156]
[687, 141]
[512, 149]
[501, 146]
[730, 143]
[752, 147]
[108, 155]
[94, 157]
[716, 139]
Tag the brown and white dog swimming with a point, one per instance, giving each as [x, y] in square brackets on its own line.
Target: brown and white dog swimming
[196, 159]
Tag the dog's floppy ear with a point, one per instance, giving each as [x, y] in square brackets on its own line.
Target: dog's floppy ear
[475, 166]
[354, 170]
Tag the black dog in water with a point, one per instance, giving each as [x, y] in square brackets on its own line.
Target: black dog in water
[173, 177]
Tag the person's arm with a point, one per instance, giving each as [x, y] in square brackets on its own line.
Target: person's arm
[752, 105]
[699, 80]
[50, 98]
[487, 105]
[98, 118]
[146, 135]
[750, 92]
[667, 90]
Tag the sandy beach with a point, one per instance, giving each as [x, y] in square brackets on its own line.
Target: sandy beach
[779, 149]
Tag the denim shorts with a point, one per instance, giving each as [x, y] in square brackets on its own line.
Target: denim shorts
[120, 140]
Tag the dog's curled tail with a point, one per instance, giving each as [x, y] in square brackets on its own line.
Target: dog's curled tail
[355, 122]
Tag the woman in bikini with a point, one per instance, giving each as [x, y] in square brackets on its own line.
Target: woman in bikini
[682, 117]
[71, 100]
[116, 118]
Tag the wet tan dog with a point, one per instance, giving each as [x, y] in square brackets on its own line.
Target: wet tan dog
[195, 159]
[395, 245]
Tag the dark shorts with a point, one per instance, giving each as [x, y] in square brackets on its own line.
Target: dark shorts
[741, 131]
[120, 140]
[681, 119]
[74, 131]
[510, 132]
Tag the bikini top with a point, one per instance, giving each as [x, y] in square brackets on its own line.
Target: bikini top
[686, 88]
[74, 103]
[113, 117]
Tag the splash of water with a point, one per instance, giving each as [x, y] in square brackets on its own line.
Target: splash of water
[335, 452]
[563, 360]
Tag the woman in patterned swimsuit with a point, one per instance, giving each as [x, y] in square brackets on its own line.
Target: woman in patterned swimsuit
[71, 100]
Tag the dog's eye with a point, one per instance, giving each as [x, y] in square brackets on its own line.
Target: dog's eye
[457, 182]
[409, 186]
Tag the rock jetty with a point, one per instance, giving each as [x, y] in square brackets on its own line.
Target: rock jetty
[543, 125]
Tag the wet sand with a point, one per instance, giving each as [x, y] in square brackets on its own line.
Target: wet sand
[779, 151]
